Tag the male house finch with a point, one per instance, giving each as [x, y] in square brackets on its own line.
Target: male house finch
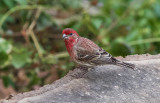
[86, 53]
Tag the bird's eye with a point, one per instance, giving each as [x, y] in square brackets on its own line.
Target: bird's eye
[70, 33]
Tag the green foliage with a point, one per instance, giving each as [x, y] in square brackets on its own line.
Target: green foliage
[17, 59]
[122, 27]
[8, 81]
[5, 46]
[4, 59]
[5, 49]
[120, 49]
[20, 58]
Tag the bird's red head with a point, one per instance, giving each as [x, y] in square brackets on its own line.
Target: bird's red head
[70, 37]
[69, 34]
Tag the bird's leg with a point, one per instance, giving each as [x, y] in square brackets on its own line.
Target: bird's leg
[83, 70]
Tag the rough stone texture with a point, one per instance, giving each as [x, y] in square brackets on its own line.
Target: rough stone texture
[104, 84]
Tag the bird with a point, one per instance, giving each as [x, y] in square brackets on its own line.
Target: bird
[88, 54]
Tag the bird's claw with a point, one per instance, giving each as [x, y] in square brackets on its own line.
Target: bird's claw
[83, 71]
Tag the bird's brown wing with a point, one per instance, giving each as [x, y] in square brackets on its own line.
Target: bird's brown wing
[89, 52]
[101, 57]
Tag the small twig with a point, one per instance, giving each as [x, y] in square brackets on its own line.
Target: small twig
[32, 25]
[30, 32]
[23, 32]
[61, 54]
[36, 43]
[150, 40]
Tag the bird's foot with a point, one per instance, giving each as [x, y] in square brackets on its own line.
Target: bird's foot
[81, 73]
[83, 68]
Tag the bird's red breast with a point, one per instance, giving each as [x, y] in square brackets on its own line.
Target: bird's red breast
[70, 40]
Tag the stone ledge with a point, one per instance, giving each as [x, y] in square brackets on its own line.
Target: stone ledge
[104, 84]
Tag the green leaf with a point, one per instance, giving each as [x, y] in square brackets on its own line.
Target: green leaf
[149, 14]
[96, 23]
[157, 9]
[20, 59]
[8, 81]
[132, 35]
[75, 3]
[5, 49]
[4, 59]
[142, 22]
[22, 2]
[136, 4]
[5, 46]
[9, 3]
[120, 49]
[34, 79]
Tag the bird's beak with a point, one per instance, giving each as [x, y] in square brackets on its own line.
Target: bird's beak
[65, 36]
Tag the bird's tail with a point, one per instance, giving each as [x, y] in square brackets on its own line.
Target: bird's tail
[123, 64]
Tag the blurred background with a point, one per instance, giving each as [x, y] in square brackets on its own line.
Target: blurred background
[32, 52]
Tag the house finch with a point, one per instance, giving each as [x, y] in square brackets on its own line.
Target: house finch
[86, 53]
